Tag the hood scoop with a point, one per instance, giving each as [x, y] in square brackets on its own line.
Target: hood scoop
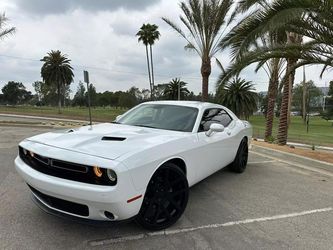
[112, 138]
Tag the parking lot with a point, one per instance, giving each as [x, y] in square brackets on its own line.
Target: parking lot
[273, 205]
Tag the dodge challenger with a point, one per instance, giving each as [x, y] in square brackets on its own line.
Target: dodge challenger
[139, 166]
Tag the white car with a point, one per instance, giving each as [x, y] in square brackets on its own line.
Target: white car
[140, 166]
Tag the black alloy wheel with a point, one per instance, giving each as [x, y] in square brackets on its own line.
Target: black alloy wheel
[240, 162]
[165, 198]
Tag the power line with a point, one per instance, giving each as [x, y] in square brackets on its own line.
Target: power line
[98, 68]
[119, 71]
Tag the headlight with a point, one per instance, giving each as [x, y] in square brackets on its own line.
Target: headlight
[111, 175]
[97, 171]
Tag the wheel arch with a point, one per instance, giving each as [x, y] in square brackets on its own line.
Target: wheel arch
[179, 162]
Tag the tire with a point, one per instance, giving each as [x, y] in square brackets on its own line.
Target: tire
[240, 162]
[165, 199]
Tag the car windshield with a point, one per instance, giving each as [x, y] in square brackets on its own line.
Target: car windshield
[160, 116]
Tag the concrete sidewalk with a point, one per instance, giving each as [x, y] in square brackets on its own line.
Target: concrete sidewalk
[295, 160]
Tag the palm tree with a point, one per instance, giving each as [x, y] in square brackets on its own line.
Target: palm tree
[176, 89]
[206, 21]
[311, 19]
[148, 34]
[239, 96]
[154, 35]
[273, 67]
[5, 31]
[57, 71]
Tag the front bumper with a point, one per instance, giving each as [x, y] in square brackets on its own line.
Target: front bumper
[98, 199]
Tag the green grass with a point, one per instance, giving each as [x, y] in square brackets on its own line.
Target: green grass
[320, 131]
[98, 113]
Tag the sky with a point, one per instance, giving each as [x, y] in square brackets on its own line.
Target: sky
[99, 36]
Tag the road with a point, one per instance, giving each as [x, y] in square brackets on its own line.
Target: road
[273, 205]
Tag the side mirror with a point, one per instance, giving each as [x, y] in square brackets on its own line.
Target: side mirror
[215, 127]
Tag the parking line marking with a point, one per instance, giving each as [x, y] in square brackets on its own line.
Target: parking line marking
[167, 232]
[316, 170]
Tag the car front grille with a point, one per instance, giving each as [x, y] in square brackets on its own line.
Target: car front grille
[60, 204]
[62, 169]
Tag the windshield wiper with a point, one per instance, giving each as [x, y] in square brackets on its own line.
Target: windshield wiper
[116, 122]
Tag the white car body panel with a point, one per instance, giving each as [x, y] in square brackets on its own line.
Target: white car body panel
[134, 159]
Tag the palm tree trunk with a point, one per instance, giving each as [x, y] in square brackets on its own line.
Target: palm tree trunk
[151, 90]
[283, 122]
[152, 70]
[59, 99]
[291, 85]
[272, 91]
[205, 72]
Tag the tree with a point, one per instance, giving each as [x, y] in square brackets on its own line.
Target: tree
[205, 22]
[312, 98]
[47, 94]
[148, 34]
[15, 93]
[327, 114]
[159, 91]
[57, 71]
[311, 19]
[288, 83]
[38, 89]
[239, 96]
[92, 95]
[171, 89]
[5, 31]
[154, 35]
[308, 18]
[80, 96]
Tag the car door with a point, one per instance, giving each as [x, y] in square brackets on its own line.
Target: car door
[217, 150]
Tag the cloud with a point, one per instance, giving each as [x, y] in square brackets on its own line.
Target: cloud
[44, 7]
[104, 43]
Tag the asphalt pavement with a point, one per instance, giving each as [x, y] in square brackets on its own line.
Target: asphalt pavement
[275, 204]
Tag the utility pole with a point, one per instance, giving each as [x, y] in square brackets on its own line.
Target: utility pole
[86, 80]
[304, 96]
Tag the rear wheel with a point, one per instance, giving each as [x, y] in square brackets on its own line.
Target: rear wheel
[165, 198]
[240, 162]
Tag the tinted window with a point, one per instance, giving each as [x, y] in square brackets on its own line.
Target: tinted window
[214, 116]
[170, 117]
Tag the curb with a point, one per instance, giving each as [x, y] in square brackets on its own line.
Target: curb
[302, 145]
[41, 118]
[297, 159]
[22, 125]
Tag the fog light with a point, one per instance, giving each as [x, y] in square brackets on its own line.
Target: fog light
[111, 175]
[97, 171]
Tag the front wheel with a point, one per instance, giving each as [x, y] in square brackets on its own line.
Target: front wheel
[240, 162]
[165, 198]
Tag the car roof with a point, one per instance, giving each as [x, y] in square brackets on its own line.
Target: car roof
[195, 104]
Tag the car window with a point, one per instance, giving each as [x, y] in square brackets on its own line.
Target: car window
[210, 116]
[160, 116]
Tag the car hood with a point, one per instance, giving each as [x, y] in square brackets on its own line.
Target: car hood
[106, 140]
